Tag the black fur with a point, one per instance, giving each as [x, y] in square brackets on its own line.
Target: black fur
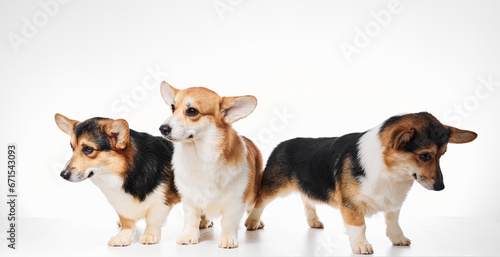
[151, 165]
[314, 163]
[95, 132]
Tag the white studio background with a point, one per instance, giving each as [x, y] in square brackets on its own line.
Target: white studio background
[318, 68]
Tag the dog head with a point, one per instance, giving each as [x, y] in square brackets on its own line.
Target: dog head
[199, 113]
[98, 147]
[414, 143]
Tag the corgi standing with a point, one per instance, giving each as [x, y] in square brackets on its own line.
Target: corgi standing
[360, 173]
[132, 169]
[217, 172]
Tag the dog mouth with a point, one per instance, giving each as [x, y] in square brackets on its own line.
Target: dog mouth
[90, 174]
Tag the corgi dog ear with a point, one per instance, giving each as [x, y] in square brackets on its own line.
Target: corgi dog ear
[401, 138]
[168, 92]
[237, 107]
[458, 136]
[65, 124]
[118, 133]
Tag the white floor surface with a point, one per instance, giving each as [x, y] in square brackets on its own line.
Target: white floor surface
[281, 237]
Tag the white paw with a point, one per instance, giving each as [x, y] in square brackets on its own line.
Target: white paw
[120, 240]
[149, 239]
[204, 223]
[315, 223]
[400, 240]
[253, 224]
[362, 247]
[189, 238]
[228, 242]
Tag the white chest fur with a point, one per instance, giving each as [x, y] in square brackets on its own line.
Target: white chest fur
[381, 190]
[205, 181]
[125, 204]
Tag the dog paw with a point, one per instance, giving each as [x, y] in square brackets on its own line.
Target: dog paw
[362, 248]
[118, 241]
[228, 242]
[188, 238]
[316, 223]
[149, 239]
[252, 224]
[204, 223]
[400, 240]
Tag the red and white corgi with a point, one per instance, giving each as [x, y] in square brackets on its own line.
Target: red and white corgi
[217, 171]
[132, 169]
[360, 173]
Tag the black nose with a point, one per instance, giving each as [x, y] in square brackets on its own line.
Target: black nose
[165, 129]
[65, 174]
[438, 186]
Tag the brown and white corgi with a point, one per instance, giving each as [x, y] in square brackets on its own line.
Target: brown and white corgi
[217, 171]
[360, 173]
[132, 169]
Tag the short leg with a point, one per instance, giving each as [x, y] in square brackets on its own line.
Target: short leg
[231, 218]
[205, 223]
[155, 218]
[311, 215]
[269, 191]
[191, 232]
[125, 236]
[393, 231]
[253, 221]
[355, 227]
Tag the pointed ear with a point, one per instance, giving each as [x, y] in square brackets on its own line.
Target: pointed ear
[118, 133]
[168, 92]
[237, 107]
[65, 124]
[401, 138]
[458, 136]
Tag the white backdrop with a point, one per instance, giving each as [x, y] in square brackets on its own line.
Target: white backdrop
[318, 68]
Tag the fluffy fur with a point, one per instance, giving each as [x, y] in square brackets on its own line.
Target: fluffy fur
[132, 169]
[217, 171]
[360, 173]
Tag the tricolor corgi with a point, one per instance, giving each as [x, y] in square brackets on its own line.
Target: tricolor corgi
[360, 173]
[217, 171]
[132, 169]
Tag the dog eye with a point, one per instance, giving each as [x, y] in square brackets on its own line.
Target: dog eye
[87, 150]
[173, 107]
[191, 112]
[424, 156]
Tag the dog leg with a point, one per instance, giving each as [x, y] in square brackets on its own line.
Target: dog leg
[125, 236]
[231, 218]
[393, 231]
[355, 227]
[155, 218]
[311, 215]
[205, 223]
[191, 232]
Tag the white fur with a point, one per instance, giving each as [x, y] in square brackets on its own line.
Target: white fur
[125, 204]
[359, 244]
[208, 185]
[381, 189]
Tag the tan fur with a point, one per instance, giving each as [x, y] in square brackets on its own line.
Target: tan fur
[254, 158]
